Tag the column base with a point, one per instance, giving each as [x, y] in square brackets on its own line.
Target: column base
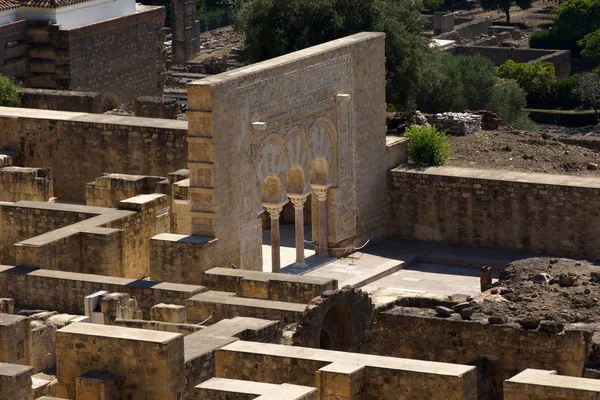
[299, 265]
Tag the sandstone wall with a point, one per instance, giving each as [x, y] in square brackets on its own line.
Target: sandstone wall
[13, 50]
[150, 364]
[18, 183]
[62, 100]
[123, 55]
[65, 291]
[534, 384]
[15, 381]
[104, 143]
[536, 213]
[500, 352]
[15, 339]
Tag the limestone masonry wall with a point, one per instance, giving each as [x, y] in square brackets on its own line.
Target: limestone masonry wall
[65, 291]
[127, 145]
[17, 183]
[150, 364]
[510, 210]
[62, 100]
[535, 384]
[15, 382]
[123, 55]
[503, 351]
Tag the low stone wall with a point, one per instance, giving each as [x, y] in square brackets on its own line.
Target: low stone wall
[267, 286]
[499, 351]
[65, 291]
[338, 373]
[17, 183]
[155, 107]
[62, 100]
[109, 143]
[536, 213]
[15, 381]
[534, 384]
[499, 55]
[468, 30]
[151, 364]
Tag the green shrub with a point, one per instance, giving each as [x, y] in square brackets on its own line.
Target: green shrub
[509, 101]
[534, 78]
[561, 95]
[427, 145]
[9, 93]
[590, 45]
[455, 83]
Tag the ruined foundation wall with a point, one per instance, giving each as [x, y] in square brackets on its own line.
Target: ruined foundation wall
[34, 184]
[536, 213]
[108, 143]
[62, 100]
[65, 291]
[508, 350]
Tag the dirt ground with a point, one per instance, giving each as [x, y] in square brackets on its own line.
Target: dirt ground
[550, 149]
[554, 289]
[539, 13]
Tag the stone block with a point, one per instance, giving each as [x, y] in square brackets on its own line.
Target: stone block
[7, 306]
[168, 313]
[15, 339]
[15, 382]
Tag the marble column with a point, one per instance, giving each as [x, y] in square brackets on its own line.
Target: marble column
[298, 201]
[320, 191]
[274, 211]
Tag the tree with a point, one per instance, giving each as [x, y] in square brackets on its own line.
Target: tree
[276, 27]
[534, 78]
[9, 93]
[590, 45]
[587, 90]
[505, 5]
[576, 18]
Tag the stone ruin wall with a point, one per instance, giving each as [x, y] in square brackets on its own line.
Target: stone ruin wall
[62, 100]
[32, 184]
[127, 145]
[13, 50]
[507, 210]
[499, 351]
[45, 289]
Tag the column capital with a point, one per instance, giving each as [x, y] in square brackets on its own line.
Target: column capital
[298, 200]
[320, 191]
[274, 209]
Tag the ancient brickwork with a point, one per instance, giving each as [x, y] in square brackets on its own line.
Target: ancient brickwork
[15, 339]
[45, 289]
[62, 100]
[15, 382]
[149, 363]
[503, 350]
[155, 107]
[20, 221]
[180, 258]
[509, 210]
[127, 145]
[129, 68]
[535, 384]
[383, 378]
[267, 286]
[13, 50]
[185, 39]
[315, 114]
[17, 183]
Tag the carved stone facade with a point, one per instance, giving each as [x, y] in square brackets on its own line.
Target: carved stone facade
[308, 121]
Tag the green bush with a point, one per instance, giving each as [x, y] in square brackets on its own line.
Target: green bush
[509, 101]
[534, 78]
[455, 83]
[9, 93]
[427, 145]
[561, 95]
[590, 45]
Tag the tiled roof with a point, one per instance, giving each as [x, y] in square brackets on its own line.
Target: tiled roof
[49, 3]
[6, 5]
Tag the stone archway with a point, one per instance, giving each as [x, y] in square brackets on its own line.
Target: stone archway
[336, 320]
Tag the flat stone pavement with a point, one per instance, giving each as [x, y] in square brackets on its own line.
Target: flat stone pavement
[396, 267]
